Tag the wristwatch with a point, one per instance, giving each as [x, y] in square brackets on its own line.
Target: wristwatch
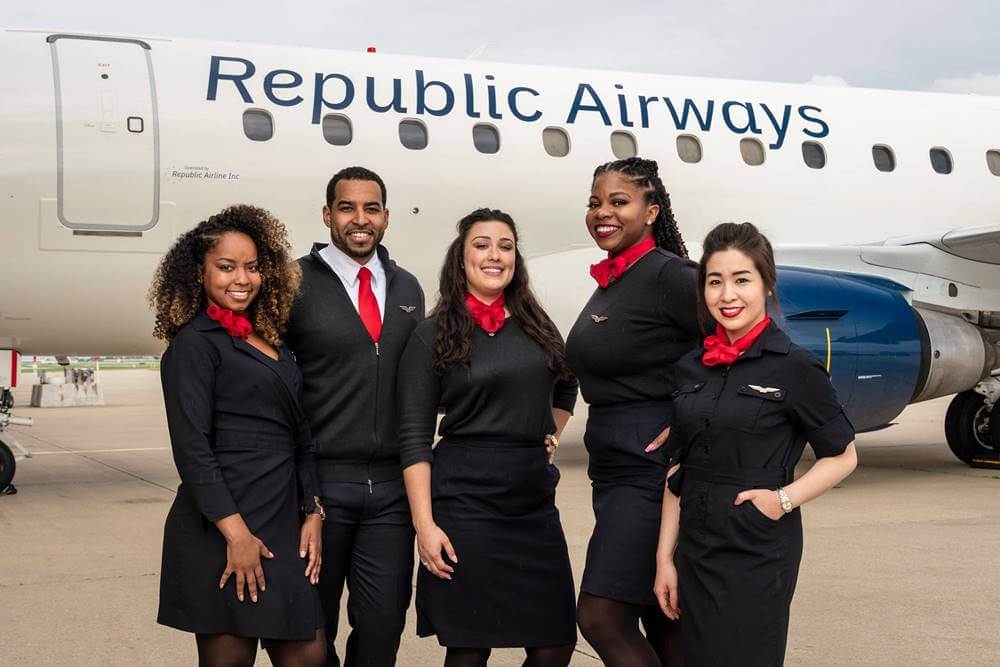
[317, 508]
[786, 502]
[552, 441]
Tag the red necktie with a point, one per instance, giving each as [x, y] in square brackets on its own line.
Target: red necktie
[608, 270]
[368, 304]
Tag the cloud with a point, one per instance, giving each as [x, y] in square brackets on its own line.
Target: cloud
[983, 84]
[828, 80]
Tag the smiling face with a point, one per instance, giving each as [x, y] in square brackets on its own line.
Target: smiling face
[230, 272]
[357, 218]
[488, 255]
[618, 216]
[735, 292]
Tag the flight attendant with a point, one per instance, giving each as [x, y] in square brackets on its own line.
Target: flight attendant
[350, 322]
[495, 567]
[747, 402]
[640, 320]
[240, 564]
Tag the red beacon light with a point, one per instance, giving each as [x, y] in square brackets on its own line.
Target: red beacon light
[371, 49]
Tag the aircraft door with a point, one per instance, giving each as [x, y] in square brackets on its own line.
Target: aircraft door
[107, 133]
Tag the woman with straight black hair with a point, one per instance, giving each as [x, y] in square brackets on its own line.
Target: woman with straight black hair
[640, 320]
[746, 403]
[495, 567]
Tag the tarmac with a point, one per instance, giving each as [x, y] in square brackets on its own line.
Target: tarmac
[900, 568]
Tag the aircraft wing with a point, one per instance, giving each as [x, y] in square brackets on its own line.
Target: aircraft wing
[954, 272]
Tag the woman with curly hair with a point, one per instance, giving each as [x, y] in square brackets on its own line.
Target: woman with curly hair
[496, 570]
[239, 563]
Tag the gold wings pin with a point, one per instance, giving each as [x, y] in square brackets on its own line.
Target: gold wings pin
[598, 318]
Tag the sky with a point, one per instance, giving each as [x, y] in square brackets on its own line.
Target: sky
[911, 44]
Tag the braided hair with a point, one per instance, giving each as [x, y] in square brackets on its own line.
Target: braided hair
[645, 174]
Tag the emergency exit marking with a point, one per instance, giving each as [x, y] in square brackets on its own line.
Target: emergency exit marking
[134, 124]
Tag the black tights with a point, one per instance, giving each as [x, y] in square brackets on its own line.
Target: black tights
[538, 656]
[612, 628]
[233, 651]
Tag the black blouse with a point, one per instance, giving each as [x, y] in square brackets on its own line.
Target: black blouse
[505, 395]
[628, 336]
[220, 391]
[757, 414]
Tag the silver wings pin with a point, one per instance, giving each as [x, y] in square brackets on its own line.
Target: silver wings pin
[598, 318]
[764, 390]
[407, 309]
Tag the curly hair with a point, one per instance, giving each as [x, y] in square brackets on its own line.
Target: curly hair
[177, 295]
[645, 174]
[453, 340]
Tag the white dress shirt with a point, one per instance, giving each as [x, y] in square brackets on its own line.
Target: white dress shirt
[347, 269]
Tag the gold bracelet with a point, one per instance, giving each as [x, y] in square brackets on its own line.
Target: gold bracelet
[552, 441]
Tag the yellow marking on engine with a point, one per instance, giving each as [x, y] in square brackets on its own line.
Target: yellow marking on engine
[828, 349]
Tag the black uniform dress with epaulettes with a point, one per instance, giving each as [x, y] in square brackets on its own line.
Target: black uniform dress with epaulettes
[492, 490]
[622, 349]
[242, 444]
[736, 428]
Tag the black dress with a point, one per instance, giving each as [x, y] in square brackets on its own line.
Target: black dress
[623, 348]
[492, 491]
[737, 428]
[241, 444]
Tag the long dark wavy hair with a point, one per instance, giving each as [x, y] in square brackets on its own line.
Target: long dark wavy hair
[177, 295]
[453, 341]
[645, 175]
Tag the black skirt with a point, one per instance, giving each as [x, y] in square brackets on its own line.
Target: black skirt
[628, 499]
[512, 585]
[736, 571]
[260, 473]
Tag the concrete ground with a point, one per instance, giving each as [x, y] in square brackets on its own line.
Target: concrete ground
[900, 564]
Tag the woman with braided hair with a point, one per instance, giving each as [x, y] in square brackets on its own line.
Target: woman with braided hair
[242, 540]
[641, 319]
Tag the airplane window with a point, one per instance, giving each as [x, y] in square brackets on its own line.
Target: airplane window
[486, 138]
[752, 152]
[813, 154]
[556, 141]
[993, 162]
[413, 134]
[688, 148]
[885, 159]
[258, 125]
[337, 130]
[623, 145]
[941, 161]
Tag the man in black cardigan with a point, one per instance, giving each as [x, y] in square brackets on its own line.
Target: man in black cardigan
[348, 327]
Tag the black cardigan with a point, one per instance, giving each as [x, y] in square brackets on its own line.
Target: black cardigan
[350, 385]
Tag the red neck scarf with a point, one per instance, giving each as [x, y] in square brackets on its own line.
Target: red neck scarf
[236, 324]
[490, 317]
[608, 270]
[719, 351]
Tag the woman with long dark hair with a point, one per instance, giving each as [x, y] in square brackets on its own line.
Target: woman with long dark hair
[640, 320]
[736, 525]
[495, 567]
[240, 563]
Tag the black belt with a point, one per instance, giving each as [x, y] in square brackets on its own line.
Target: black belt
[747, 478]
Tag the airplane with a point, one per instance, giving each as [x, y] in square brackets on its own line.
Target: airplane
[881, 204]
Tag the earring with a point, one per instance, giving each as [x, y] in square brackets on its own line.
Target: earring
[770, 293]
[649, 222]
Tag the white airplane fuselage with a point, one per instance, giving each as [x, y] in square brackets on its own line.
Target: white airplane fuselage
[89, 204]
